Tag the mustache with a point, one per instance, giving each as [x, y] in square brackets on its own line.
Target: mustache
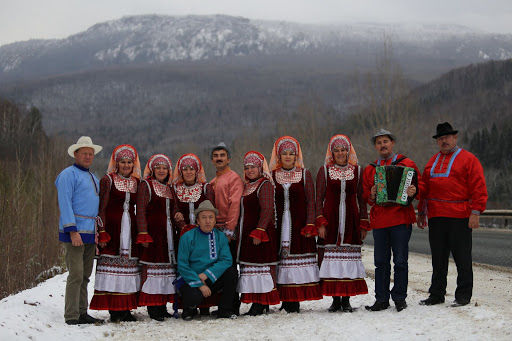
[219, 161]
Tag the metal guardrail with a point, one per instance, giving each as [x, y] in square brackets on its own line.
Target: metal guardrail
[505, 214]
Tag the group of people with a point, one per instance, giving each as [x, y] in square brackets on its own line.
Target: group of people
[264, 239]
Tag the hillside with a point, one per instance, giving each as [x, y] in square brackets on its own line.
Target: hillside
[153, 39]
[476, 99]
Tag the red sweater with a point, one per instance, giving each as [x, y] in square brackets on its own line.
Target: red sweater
[387, 216]
[453, 185]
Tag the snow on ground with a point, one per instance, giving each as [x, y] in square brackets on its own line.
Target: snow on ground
[37, 314]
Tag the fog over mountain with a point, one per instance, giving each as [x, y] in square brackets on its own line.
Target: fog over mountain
[152, 39]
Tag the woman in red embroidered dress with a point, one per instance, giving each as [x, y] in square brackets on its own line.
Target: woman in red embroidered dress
[191, 189]
[257, 239]
[297, 271]
[342, 222]
[156, 206]
[117, 271]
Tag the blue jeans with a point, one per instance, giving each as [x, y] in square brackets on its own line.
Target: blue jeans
[396, 239]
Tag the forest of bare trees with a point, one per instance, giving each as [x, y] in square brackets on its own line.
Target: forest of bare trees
[29, 163]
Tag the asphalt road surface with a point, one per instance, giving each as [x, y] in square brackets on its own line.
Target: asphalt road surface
[490, 246]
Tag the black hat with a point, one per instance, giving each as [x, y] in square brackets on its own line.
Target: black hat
[444, 129]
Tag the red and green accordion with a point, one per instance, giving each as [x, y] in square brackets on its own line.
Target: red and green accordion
[392, 183]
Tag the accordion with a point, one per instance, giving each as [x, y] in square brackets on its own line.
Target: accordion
[392, 183]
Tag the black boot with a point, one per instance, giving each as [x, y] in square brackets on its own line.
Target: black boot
[164, 313]
[336, 304]
[290, 307]
[128, 317]
[460, 303]
[257, 309]
[432, 300]
[189, 313]
[345, 304]
[204, 311]
[400, 305]
[378, 306]
[88, 319]
[115, 316]
[155, 312]
[236, 305]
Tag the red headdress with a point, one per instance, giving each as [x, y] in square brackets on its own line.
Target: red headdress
[124, 151]
[340, 141]
[189, 160]
[282, 144]
[254, 158]
[155, 160]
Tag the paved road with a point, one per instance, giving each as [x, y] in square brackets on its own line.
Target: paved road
[490, 246]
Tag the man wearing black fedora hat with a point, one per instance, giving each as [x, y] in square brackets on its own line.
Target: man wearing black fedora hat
[453, 194]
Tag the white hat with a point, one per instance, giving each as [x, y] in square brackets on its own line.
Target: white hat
[83, 141]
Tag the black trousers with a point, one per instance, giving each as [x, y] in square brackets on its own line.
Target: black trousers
[451, 235]
[192, 297]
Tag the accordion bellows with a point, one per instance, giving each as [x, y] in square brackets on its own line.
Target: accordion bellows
[392, 183]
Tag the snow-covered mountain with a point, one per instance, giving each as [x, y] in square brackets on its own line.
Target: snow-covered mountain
[157, 38]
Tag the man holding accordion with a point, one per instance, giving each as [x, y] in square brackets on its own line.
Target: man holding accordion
[389, 186]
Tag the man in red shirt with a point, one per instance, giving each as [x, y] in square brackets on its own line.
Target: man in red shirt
[391, 225]
[228, 187]
[453, 194]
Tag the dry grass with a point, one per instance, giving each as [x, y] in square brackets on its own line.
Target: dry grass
[28, 203]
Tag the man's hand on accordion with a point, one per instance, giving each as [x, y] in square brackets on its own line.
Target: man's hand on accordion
[411, 190]
[373, 193]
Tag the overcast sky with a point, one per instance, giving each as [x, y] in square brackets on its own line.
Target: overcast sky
[28, 19]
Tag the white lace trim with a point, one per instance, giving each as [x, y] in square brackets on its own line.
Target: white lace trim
[342, 262]
[342, 172]
[161, 189]
[159, 280]
[298, 270]
[255, 280]
[189, 193]
[288, 176]
[115, 275]
[123, 184]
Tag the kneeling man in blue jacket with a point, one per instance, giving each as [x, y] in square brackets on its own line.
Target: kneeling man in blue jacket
[204, 263]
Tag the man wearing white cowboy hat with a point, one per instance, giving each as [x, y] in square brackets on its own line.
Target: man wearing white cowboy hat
[78, 190]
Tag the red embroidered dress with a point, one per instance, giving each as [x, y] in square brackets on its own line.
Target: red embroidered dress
[189, 198]
[298, 277]
[156, 207]
[117, 278]
[339, 199]
[257, 262]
